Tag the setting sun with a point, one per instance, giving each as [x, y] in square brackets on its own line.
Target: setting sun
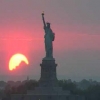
[15, 61]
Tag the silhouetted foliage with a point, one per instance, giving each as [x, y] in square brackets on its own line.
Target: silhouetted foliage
[67, 85]
[89, 90]
[31, 84]
[22, 87]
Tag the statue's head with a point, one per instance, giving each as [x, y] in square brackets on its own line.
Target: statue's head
[48, 24]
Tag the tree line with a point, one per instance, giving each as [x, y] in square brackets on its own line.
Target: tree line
[90, 93]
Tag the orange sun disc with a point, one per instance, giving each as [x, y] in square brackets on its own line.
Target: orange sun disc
[15, 61]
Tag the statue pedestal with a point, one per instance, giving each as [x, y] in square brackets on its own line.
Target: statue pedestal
[48, 74]
[48, 58]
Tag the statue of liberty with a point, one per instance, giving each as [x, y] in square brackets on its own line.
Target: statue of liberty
[49, 38]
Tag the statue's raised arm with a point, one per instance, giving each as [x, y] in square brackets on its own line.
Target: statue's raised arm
[43, 19]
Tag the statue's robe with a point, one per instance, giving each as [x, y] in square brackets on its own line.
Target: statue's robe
[48, 42]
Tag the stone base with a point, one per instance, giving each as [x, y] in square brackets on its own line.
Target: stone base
[46, 97]
[48, 91]
[48, 74]
[47, 58]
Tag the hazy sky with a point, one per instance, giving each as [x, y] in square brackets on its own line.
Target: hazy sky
[76, 24]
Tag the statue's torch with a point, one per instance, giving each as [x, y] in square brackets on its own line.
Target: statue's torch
[43, 13]
[43, 19]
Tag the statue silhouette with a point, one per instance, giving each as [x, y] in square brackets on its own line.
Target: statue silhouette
[49, 38]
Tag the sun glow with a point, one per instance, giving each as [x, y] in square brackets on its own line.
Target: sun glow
[15, 61]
